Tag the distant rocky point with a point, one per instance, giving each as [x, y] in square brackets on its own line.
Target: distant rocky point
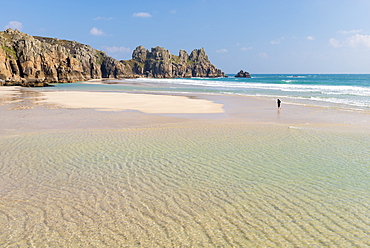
[243, 74]
[36, 61]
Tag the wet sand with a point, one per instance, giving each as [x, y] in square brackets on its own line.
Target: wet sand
[249, 176]
[28, 109]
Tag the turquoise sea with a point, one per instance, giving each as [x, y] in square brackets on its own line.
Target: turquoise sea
[188, 183]
[348, 91]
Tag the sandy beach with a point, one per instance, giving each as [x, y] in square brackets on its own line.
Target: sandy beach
[122, 106]
[160, 170]
[146, 103]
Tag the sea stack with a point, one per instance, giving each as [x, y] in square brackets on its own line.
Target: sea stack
[243, 74]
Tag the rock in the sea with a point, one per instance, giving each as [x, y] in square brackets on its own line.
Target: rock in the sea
[35, 61]
[243, 74]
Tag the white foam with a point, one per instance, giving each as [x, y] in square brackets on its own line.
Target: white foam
[344, 94]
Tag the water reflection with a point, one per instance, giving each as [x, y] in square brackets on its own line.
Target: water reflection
[20, 98]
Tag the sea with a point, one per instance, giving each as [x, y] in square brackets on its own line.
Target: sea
[347, 91]
[194, 183]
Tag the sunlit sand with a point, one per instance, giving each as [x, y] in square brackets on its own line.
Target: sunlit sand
[147, 103]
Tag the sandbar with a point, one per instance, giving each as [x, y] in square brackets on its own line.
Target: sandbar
[119, 101]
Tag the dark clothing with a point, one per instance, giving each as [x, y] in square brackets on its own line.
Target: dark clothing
[278, 103]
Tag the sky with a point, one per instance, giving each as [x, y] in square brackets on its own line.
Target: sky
[258, 36]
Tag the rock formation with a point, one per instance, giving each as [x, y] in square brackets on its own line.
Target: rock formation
[243, 74]
[159, 63]
[35, 61]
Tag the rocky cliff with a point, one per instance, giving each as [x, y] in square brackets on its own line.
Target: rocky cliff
[159, 63]
[35, 61]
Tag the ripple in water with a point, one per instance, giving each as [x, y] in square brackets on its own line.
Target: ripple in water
[195, 185]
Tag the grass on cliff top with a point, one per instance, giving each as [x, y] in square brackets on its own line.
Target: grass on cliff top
[175, 59]
[132, 63]
[10, 52]
[53, 40]
[6, 36]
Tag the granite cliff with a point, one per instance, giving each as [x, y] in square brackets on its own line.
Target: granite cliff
[35, 61]
[159, 63]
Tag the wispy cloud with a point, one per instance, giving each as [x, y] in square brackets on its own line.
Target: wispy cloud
[335, 43]
[353, 31]
[114, 49]
[173, 11]
[223, 50]
[14, 25]
[246, 49]
[263, 55]
[142, 14]
[277, 41]
[96, 31]
[102, 18]
[353, 41]
[310, 38]
[359, 40]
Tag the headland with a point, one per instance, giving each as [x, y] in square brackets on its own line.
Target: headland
[36, 61]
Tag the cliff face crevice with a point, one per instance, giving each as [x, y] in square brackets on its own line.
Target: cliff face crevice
[35, 61]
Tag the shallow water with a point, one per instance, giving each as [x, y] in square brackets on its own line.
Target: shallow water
[185, 184]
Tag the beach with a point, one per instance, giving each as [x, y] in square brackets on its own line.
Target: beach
[146, 103]
[93, 168]
[87, 109]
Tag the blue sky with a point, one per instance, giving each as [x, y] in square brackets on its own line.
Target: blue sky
[259, 36]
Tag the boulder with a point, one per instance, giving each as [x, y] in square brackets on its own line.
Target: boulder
[243, 74]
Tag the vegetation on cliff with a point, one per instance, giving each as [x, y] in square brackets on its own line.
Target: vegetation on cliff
[35, 61]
